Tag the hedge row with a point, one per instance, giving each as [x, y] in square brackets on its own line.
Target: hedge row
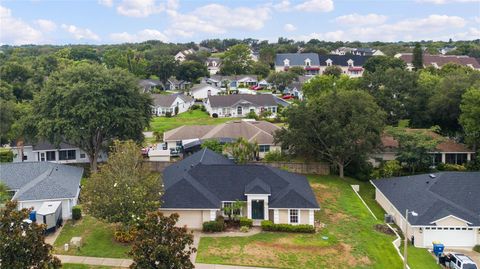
[213, 226]
[268, 225]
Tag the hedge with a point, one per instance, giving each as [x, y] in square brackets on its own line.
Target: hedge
[6, 156]
[76, 213]
[246, 222]
[212, 226]
[268, 225]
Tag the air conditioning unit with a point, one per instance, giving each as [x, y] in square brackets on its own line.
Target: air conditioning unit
[388, 218]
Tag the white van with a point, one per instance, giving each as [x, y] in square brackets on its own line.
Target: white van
[460, 261]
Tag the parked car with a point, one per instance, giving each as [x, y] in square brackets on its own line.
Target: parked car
[461, 261]
[287, 96]
[257, 88]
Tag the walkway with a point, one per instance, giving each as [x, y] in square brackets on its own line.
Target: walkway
[95, 261]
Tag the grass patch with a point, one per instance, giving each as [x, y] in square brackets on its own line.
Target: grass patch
[85, 266]
[192, 117]
[97, 239]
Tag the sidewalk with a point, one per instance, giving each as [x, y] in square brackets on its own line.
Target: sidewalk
[95, 260]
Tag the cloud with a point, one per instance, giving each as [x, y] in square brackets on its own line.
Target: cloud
[216, 19]
[357, 19]
[327, 36]
[80, 33]
[289, 27]
[144, 35]
[476, 19]
[315, 6]
[442, 2]
[46, 25]
[139, 8]
[107, 3]
[283, 5]
[17, 32]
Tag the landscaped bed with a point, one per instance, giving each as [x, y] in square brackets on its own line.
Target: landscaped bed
[97, 238]
[348, 240]
[192, 117]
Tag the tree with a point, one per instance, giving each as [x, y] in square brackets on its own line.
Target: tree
[163, 67]
[242, 151]
[22, 243]
[191, 71]
[414, 146]
[4, 197]
[333, 70]
[124, 189]
[470, 117]
[260, 69]
[213, 144]
[391, 168]
[336, 126]
[282, 79]
[237, 60]
[97, 106]
[417, 60]
[297, 70]
[378, 63]
[159, 244]
[267, 55]
[320, 84]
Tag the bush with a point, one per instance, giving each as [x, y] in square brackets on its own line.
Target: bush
[450, 167]
[244, 229]
[76, 213]
[194, 107]
[176, 110]
[289, 228]
[252, 115]
[274, 156]
[168, 114]
[246, 222]
[202, 108]
[6, 156]
[359, 168]
[125, 235]
[477, 248]
[212, 226]
[220, 219]
[214, 115]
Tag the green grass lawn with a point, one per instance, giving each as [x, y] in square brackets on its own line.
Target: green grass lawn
[84, 266]
[352, 240]
[192, 117]
[97, 239]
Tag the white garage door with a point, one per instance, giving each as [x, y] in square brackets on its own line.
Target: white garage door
[450, 237]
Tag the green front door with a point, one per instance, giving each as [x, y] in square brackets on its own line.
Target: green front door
[257, 209]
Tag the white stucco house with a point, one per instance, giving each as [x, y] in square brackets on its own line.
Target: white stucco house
[203, 91]
[182, 55]
[447, 207]
[163, 104]
[239, 105]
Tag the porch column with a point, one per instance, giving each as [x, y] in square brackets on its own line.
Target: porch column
[213, 214]
[249, 208]
[469, 156]
[265, 207]
[444, 158]
[276, 217]
[311, 217]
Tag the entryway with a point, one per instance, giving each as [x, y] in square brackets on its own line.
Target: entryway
[258, 210]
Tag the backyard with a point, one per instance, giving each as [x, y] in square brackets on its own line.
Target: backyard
[192, 117]
[348, 239]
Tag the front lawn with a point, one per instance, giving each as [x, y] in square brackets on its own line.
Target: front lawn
[97, 239]
[352, 241]
[192, 117]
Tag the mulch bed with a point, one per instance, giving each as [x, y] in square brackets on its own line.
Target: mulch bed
[382, 228]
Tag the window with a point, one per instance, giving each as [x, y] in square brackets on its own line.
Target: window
[82, 155]
[437, 158]
[264, 148]
[42, 156]
[51, 156]
[226, 210]
[456, 158]
[293, 215]
[25, 157]
[239, 110]
[64, 155]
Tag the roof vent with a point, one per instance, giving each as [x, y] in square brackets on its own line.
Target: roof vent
[432, 176]
[428, 181]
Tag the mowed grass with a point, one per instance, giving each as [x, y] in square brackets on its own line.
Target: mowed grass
[352, 240]
[97, 238]
[192, 117]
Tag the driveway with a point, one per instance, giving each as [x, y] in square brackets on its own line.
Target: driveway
[475, 256]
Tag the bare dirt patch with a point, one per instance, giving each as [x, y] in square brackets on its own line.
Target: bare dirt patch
[324, 193]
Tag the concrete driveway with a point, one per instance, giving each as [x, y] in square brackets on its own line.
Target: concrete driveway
[475, 256]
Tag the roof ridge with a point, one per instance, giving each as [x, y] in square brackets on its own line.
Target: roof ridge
[213, 131]
[35, 181]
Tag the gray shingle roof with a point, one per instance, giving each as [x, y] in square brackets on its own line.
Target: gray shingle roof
[449, 193]
[162, 100]
[210, 178]
[41, 180]
[342, 60]
[233, 99]
[296, 59]
[45, 145]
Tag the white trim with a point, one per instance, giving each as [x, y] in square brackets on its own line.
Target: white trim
[298, 216]
[55, 199]
[311, 217]
[435, 221]
[276, 216]
[213, 214]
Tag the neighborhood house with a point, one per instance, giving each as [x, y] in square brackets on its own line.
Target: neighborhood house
[447, 207]
[198, 187]
[202, 91]
[163, 104]
[239, 105]
[438, 61]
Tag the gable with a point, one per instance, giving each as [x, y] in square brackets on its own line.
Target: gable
[450, 221]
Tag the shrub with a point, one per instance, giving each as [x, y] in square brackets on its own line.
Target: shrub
[214, 115]
[289, 228]
[274, 156]
[246, 222]
[125, 235]
[252, 115]
[76, 213]
[477, 248]
[194, 107]
[244, 229]
[451, 167]
[220, 219]
[6, 156]
[176, 110]
[202, 108]
[212, 226]
[168, 114]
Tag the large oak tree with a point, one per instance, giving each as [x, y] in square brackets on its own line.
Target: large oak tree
[89, 106]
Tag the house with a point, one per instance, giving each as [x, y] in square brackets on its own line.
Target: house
[239, 105]
[149, 84]
[446, 49]
[351, 65]
[198, 187]
[203, 91]
[34, 184]
[247, 82]
[213, 65]
[172, 84]
[309, 61]
[447, 206]
[163, 104]
[182, 55]
[357, 51]
[191, 137]
[447, 151]
[44, 151]
[438, 61]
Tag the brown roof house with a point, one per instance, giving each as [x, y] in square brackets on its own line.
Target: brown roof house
[447, 151]
[191, 137]
[438, 61]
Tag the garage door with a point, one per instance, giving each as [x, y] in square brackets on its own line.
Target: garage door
[190, 218]
[450, 237]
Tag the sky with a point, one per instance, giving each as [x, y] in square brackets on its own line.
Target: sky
[119, 21]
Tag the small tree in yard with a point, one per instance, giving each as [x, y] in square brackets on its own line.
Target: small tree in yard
[233, 210]
[242, 151]
[161, 245]
[124, 189]
[22, 244]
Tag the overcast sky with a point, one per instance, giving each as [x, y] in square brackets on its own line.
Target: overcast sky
[119, 21]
